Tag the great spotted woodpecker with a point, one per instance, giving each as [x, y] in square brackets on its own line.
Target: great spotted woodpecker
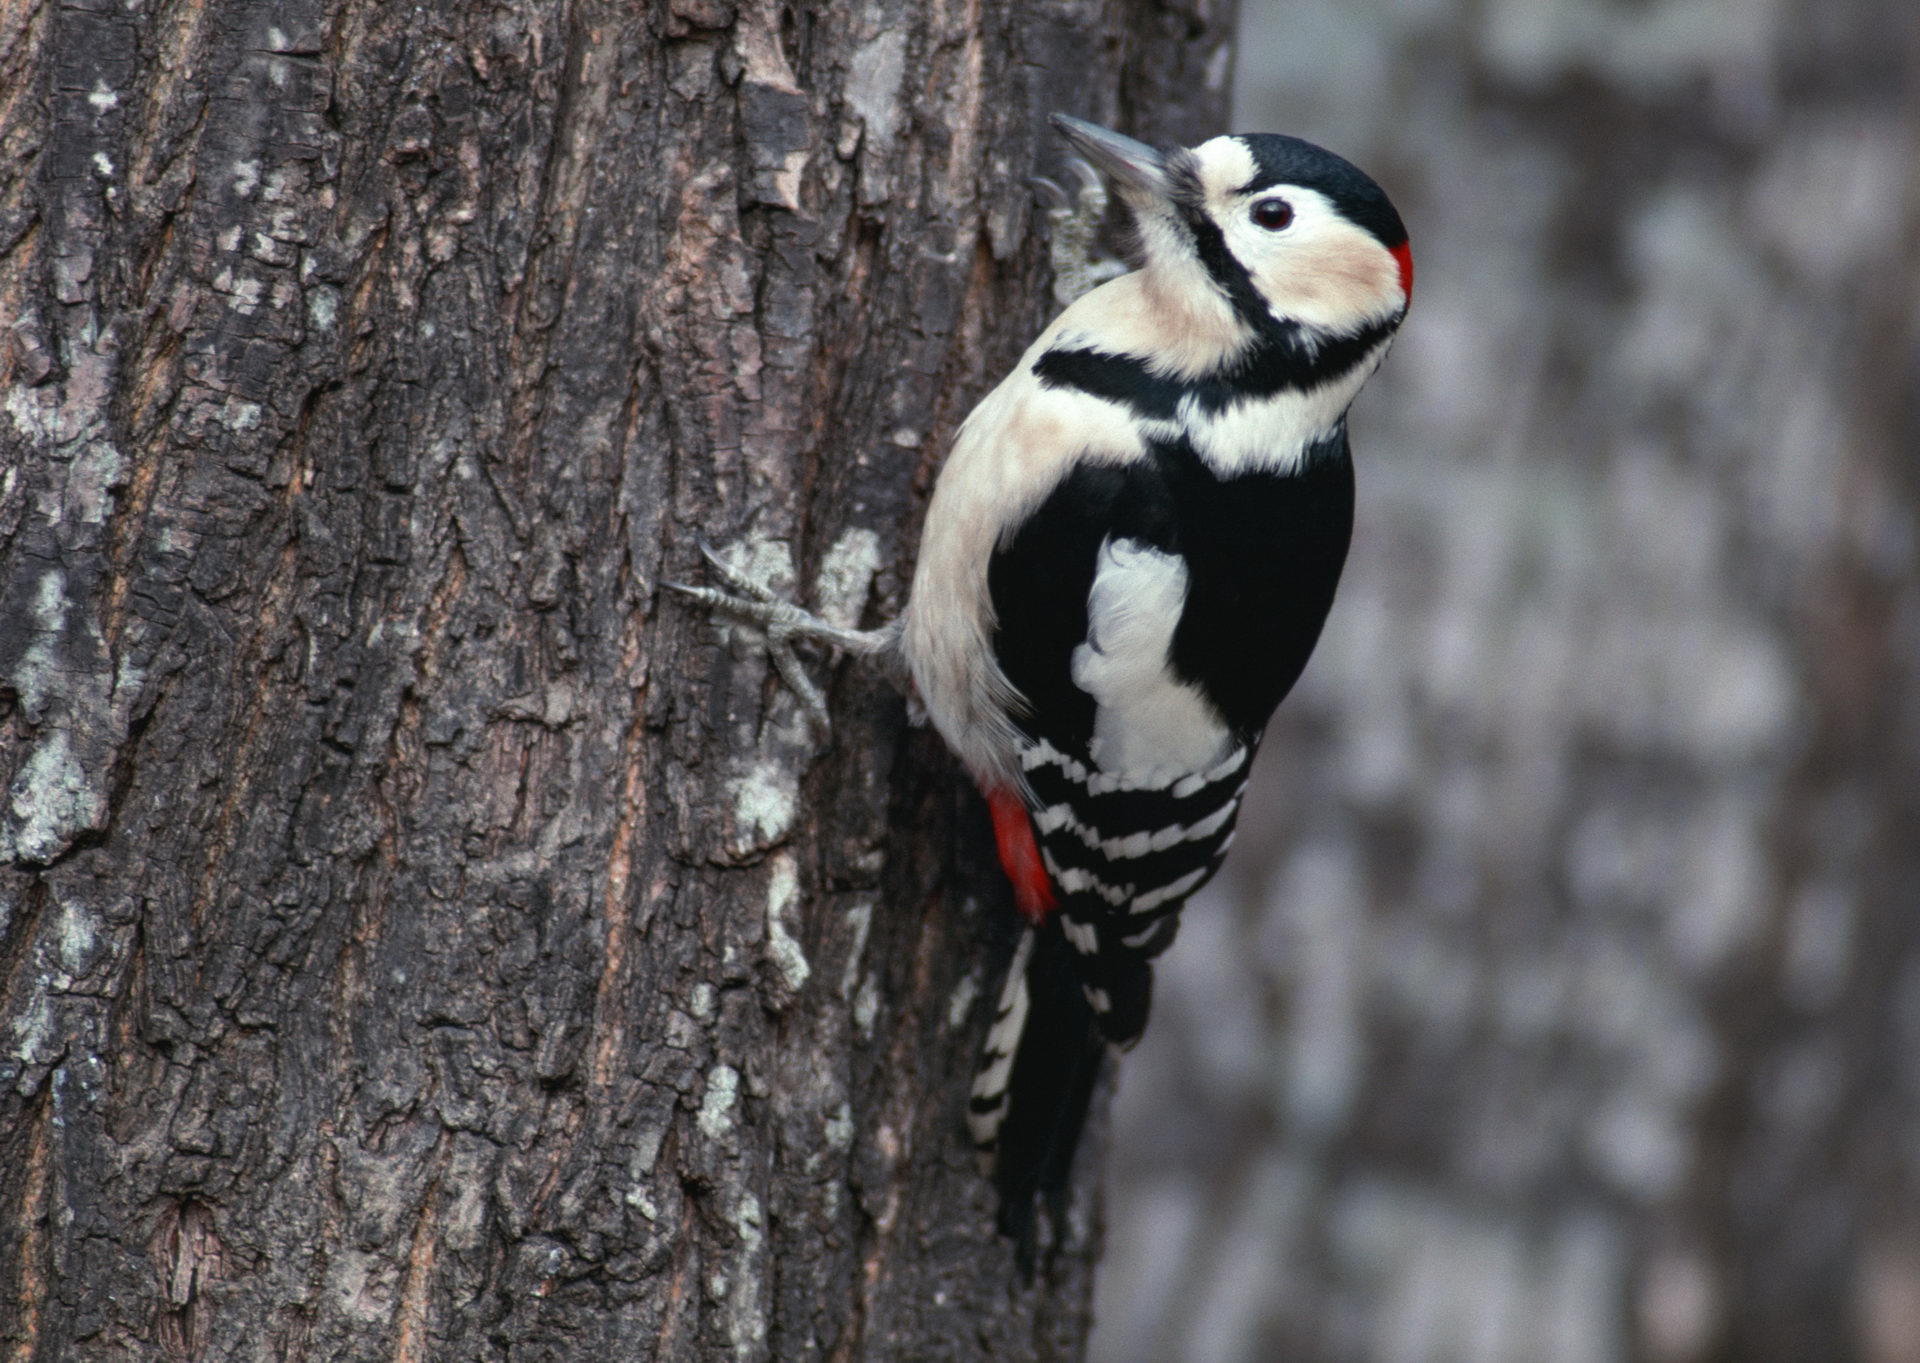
[1127, 560]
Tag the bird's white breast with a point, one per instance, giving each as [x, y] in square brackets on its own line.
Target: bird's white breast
[1147, 722]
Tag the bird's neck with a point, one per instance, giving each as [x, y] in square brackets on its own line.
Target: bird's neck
[1283, 396]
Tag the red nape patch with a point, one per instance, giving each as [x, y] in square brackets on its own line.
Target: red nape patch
[1020, 854]
[1403, 253]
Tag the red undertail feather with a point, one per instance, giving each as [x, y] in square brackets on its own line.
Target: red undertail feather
[1404, 254]
[1020, 854]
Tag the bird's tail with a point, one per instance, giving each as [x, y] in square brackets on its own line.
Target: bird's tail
[1036, 1077]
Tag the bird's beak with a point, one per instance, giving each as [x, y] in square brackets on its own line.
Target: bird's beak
[1132, 165]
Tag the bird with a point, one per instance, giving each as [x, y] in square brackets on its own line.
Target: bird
[1128, 557]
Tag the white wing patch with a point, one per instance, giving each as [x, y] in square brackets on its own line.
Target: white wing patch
[1148, 721]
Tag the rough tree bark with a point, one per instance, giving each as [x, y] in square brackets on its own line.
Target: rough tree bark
[419, 939]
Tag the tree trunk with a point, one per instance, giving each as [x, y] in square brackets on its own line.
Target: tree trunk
[420, 938]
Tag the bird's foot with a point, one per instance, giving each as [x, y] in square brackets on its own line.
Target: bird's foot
[1073, 233]
[780, 624]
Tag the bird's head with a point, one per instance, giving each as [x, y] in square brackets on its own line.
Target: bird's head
[1278, 229]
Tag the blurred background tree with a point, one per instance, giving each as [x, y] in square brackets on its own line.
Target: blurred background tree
[1561, 1002]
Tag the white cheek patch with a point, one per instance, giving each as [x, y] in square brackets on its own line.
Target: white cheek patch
[1344, 277]
[1146, 720]
[1323, 271]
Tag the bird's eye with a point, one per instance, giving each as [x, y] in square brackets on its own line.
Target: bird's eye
[1273, 214]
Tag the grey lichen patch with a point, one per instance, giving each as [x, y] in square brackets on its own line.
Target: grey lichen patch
[33, 1044]
[846, 574]
[242, 290]
[859, 923]
[35, 415]
[701, 1001]
[52, 801]
[766, 798]
[96, 472]
[716, 1105]
[323, 307]
[783, 892]
[53, 655]
[746, 1321]
[36, 678]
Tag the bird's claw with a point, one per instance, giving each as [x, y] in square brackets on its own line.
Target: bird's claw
[1093, 189]
[1074, 218]
[1088, 200]
[1052, 197]
[777, 621]
[735, 579]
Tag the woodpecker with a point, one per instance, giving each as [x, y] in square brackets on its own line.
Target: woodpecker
[1128, 558]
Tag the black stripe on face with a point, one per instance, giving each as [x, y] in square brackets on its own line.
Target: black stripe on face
[1189, 197]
